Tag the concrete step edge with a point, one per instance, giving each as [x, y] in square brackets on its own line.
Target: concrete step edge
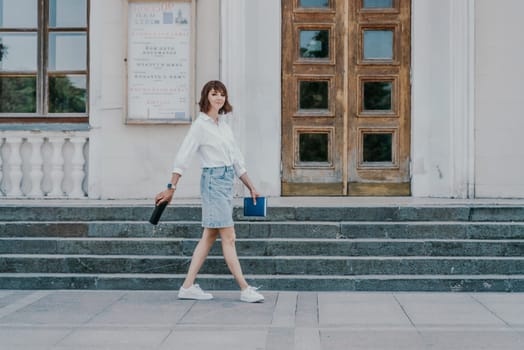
[272, 222]
[276, 257]
[227, 276]
[273, 239]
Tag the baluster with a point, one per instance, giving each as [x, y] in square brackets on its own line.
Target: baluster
[77, 163]
[2, 172]
[37, 171]
[14, 166]
[57, 166]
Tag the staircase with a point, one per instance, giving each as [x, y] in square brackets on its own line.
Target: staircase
[376, 248]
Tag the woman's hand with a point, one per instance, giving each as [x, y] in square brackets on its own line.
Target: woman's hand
[247, 182]
[164, 196]
[254, 195]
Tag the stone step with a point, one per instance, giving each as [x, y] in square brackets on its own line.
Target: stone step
[102, 212]
[431, 283]
[179, 229]
[266, 247]
[278, 265]
[461, 247]
[274, 229]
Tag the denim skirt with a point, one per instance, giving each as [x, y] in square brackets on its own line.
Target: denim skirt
[216, 189]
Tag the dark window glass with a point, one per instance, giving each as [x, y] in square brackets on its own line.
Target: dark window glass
[313, 95]
[314, 43]
[314, 3]
[67, 94]
[313, 147]
[17, 94]
[373, 4]
[378, 148]
[377, 96]
[378, 44]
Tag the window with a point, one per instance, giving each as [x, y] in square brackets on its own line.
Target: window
[44, 51]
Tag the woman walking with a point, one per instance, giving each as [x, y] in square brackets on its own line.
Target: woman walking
[211, 139]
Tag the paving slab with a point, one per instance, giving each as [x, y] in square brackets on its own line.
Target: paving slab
[461, 339]
[196, 339]
[307, 310]
[508, 307]
[372, 339]
[63, 307]
[157, 308]
[114, 338]
[438, 309]
[157, 320]
[357, 309]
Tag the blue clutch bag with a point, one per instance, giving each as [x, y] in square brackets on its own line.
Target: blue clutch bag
[250, 209]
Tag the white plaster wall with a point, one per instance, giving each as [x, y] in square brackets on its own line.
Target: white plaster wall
[262, 94]
[250, 68]
[135, 161]
[500, 117]
[443, 98]
[430, 118]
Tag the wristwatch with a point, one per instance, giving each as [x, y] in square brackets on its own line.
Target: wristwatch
[171, 186]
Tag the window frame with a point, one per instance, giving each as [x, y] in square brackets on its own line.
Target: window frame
[43, 73]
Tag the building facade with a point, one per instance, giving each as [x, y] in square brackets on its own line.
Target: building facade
[342, 98]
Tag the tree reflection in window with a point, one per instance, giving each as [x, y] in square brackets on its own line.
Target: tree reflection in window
[377, 96]
[313, 95]
[313, 147]
[3, 50]
[378, 147]
[314, 43]
[17, 94]
[67, 94]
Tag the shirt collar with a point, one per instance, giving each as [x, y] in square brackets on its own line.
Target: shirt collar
[208, 118]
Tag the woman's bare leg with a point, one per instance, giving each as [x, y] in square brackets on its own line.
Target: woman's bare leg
[200, 254]
[228, 236]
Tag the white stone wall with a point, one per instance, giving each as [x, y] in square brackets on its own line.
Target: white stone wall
[499, 113]
[466, 77]
[135, 161]
[237, 42]
[442, 98]
[251, 54]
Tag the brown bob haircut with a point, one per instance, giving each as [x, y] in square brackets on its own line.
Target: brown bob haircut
[204, 102]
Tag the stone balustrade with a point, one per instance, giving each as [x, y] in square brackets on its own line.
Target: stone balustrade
[43, 164]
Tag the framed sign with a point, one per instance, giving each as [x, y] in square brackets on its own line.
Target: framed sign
[159, 60]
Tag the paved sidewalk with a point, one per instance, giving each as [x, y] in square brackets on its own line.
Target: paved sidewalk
[156, 320]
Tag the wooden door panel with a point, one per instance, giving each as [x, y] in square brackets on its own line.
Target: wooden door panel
[312, 131]
[345, 98]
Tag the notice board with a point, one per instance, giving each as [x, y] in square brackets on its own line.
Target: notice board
[160, 55]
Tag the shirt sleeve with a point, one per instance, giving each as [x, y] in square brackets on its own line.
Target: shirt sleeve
[238, 159]
[187, 150]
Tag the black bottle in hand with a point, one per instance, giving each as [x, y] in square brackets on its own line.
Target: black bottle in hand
[157, 213]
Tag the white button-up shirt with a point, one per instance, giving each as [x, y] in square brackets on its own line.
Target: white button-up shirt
[214, 143]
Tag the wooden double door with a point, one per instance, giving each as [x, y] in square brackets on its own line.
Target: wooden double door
[346, 97]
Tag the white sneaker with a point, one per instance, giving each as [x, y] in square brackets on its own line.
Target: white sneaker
[250, 295]
[194, 292]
